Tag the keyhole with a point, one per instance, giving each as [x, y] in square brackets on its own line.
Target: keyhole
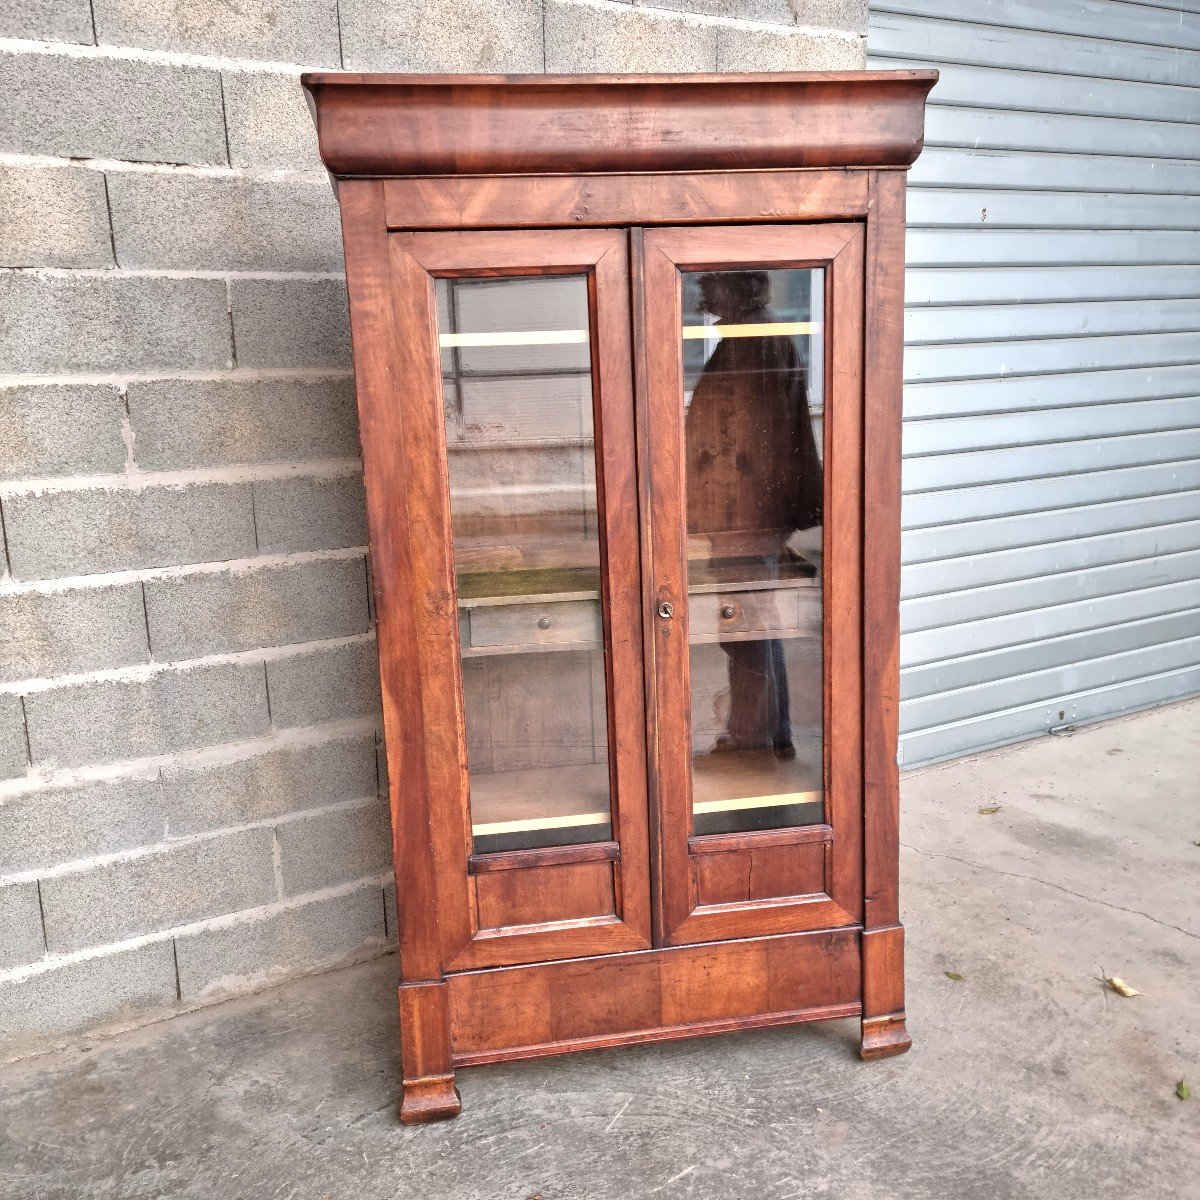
[666, 610]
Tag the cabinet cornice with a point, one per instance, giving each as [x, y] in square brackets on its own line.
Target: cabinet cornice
[381, 125]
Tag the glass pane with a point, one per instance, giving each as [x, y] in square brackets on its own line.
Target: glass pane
[517, 386]
[753, 384]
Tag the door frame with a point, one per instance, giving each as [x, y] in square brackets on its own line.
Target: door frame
[662, 254]
[415, 262]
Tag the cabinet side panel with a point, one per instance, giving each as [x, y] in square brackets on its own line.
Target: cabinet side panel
[881, 576]
[385, 468]
[417, 401]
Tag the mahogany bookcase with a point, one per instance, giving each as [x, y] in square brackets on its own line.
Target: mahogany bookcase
[628, 360]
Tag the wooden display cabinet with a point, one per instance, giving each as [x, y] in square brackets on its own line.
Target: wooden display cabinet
[628, 359]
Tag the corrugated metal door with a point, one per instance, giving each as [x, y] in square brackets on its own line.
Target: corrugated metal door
[1052, 419]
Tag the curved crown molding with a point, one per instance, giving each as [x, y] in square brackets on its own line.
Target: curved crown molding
[525, 124]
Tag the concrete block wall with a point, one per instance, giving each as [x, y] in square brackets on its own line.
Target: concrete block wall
[190, 769]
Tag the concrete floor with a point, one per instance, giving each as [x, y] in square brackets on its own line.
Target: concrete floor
[1028, 1078]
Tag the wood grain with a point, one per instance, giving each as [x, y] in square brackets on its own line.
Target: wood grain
[371, 295]
[794, 835]
[884, 1032]
[463, 124]
[881, 549]
[482, 864]
[542, 895]
[428, 1090]
[652, 995]
[546, 201]
[759, 873]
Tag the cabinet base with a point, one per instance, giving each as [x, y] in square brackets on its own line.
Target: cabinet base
[507, 1013]
[431, 1098]
[884, 1037]
[663, 1033]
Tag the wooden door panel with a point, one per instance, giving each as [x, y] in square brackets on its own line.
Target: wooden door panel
[541, 895]
[759, 873]
[766, 877]
[522, 511]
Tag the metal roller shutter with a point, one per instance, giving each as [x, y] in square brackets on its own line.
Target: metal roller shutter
[1052, 398]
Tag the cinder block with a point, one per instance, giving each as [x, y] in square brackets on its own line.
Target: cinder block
[747, 49]
[54, 217]
[59, 633]
[291, 323]
[14, 758]
[120, 108]
[186, 423]
[303, 31]
[216, 613]
[850, 16]
[847, 15]
[46, 1008]
[310, 513]
[48, 430]
[588, 37]
[173, 886]
[334, 847]
[175, 709]
[774, 12]
[65, 323]
[48, 20]
[269, 123]
[53, 826]
[205, 796]
[226, 223]
[79, 531]
[21, 925]
[324, 685]
[235, 957]
[432, 35]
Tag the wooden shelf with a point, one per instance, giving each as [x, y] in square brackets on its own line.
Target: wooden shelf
[527, 586]
[545, 798]
[529, 566]
[740, 779]
[745, 790]
[563, 337]
[571, 803]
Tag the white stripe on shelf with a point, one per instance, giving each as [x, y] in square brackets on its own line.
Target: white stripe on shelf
[564, 337]
[569, 820]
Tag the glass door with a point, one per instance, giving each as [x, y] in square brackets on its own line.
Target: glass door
[537, 752]
[517, 382]
[753, 380]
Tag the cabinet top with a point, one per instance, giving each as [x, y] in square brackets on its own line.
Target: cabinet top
[389, 124]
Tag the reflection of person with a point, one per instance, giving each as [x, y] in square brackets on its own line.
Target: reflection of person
[752, 467]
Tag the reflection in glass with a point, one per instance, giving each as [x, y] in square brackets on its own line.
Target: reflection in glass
[517, 388]
[753, 382]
